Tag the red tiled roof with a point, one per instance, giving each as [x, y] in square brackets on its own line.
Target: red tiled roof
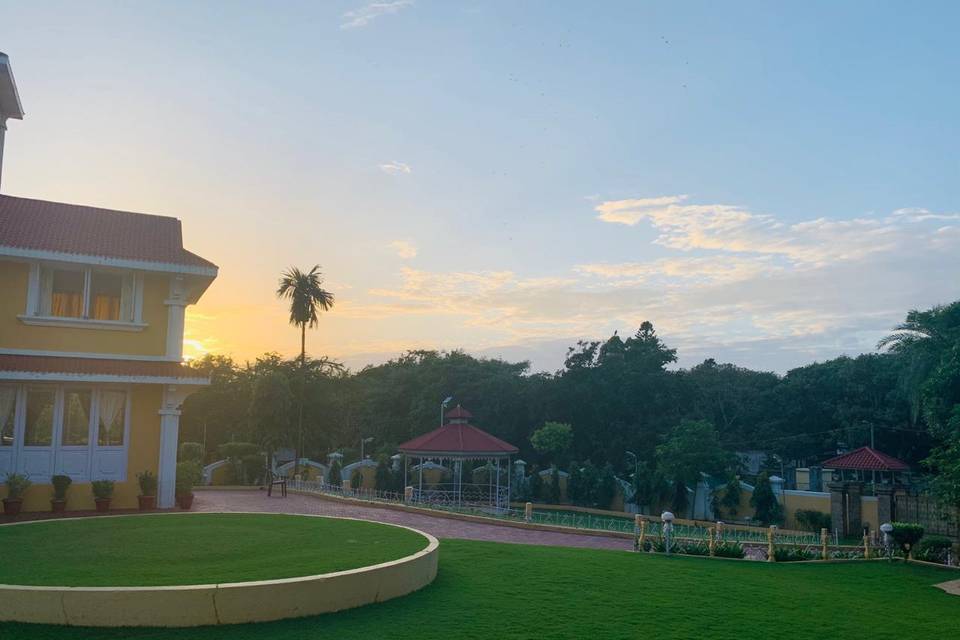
[866, 459]
[69, 228]
[72, 367]
[458, 412]
[464, 439]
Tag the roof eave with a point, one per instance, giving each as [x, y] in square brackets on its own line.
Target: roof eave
[107, 261]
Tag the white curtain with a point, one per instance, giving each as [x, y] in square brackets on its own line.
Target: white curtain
[8, 398]
[111, 408]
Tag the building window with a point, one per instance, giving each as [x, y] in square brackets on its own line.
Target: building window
[106, 291]
[89, 294]
[76, 418]
[38, 430]
[8, 411]
[66, 293]
[112, 406]
[82, 432]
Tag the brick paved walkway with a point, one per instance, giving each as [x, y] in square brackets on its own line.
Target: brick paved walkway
[439, 527]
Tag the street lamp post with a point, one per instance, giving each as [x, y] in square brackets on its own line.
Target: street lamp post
[364, 441]
[443, 405]
[667, 518]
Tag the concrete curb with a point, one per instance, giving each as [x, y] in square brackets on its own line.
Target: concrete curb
[226, 603]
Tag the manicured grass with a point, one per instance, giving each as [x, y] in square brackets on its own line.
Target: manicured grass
[193, 549]
[490, 590]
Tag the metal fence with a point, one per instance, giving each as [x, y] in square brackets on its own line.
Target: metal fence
[925, 511]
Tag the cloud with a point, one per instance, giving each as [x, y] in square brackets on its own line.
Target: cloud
[744, 287]
[735, 229]
[404, 249]
[395, 168]
[363, 16]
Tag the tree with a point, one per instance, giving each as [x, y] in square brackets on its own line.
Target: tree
[690, 448]
[335, 475]
[730, 502]
[383, 476]
[606, 487]
[535, 485]
[270, 408]
[765, 506]
[552, 440]
[306, 295]
[941, 395]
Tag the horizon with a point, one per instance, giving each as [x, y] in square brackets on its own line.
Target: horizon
[767, 186]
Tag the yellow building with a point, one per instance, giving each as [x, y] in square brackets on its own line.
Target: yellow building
[91, 341]
[91, 336]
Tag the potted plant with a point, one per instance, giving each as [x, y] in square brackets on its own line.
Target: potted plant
[148, 490]
[16, 486]
[188, 474]
[102, 493]
[58, 503]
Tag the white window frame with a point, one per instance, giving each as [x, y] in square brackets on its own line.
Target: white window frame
[34, 315]
[13, 459]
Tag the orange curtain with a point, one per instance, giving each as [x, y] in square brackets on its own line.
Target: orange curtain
[66, 305]
[106, 307]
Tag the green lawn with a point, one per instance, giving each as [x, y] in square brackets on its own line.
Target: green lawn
[193, 549]
[490, 590]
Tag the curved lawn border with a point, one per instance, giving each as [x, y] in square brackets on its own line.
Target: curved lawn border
[226, 603]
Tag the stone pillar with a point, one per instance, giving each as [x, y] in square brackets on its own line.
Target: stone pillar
[711, 541]
[169, 412]
[854, 509]
[838, 510]
[643, 533]
[176, 307]
[528, 511]
[824, 541]
[771, 532]
[884, 504]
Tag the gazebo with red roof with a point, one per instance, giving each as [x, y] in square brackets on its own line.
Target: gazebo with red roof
[865, 459]
[454, 442]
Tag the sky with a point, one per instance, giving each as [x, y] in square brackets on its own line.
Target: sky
[768, 183]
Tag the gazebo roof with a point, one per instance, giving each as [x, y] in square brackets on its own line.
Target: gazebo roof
[458, 439]
[866, 459]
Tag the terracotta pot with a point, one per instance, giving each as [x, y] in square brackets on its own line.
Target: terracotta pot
[147, 503]
[58, 506]
[11, 506]
[103, 504]
[185, 501]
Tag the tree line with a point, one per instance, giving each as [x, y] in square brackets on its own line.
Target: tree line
[626, 405]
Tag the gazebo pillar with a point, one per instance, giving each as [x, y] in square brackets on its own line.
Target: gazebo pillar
[855, 508]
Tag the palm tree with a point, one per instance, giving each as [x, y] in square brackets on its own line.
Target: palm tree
[921, 340]
[306, 295]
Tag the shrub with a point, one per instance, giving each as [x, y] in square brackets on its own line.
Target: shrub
[148, 483]
[252, 467]
[191, 451]
[188, 475]
[334, 475]
[764, 502]
[933, 549]
[846, 555]
[60, 485]
[356, 479]
[793, 554]
[535, 486]
[692, 548]
[728, 549]
[907, 534]
[102, 489]
[383, 477]
[237, 449]
[812, 520]
[17, 485]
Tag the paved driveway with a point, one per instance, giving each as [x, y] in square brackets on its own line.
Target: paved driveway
[440, 527]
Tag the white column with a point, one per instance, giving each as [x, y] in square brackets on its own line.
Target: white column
[169, 437]
[176, 308]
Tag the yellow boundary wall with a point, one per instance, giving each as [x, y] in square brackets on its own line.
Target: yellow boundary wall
[227, 603]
